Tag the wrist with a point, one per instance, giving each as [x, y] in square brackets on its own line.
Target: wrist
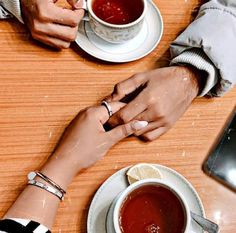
[192, 76]
[59, 170]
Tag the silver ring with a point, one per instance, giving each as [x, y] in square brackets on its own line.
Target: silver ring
[108, 107]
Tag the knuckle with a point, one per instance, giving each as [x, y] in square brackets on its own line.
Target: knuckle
[72, 35]
[89, 112]
[123, 117]
[151, 98]
[42, 14]
[162, 114]
[75, 21]
[36, 28]
[125, 130]
[156, 111]
[137, 77]
[167, 121]
[119, 89]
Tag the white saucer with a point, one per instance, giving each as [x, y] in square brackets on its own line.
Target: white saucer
[110, 189]
[144, 43]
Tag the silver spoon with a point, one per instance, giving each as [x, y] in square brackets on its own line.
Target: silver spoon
[206, 224]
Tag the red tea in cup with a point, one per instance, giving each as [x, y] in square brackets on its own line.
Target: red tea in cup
[152, 209]
[118, 11]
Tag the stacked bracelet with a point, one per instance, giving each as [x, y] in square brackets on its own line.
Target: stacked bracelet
[48, 180]
[54, 189]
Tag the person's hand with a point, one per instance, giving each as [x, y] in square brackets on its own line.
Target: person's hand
[85, 141]
[165, 95]
[51, 24]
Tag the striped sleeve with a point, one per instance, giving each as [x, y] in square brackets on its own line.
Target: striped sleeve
[14, 225]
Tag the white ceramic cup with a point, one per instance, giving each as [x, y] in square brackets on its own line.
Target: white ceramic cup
[113, 33]
[156, 182]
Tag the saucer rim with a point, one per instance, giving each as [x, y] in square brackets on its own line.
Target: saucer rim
[123, 60]
[122, 170]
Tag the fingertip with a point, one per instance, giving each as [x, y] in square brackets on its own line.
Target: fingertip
[138, 125]
[125, 130]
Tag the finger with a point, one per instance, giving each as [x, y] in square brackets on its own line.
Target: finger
[62, 16]
[126, 87]
[149, 115]
[75, 3]
[103, 114]
[125, 130]
[52, 42]
[151, 126]
[62, 32]
[129, 112]
[150, 136]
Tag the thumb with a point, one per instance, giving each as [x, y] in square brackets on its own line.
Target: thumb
[123, 131]
[76, 3]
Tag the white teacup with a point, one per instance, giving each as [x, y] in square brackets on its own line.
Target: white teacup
[113, 218]
[114, 33]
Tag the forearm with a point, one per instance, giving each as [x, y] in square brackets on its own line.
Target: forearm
[37, 204]
[83, 143]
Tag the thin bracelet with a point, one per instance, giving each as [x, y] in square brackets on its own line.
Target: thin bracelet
[50, 189]
[32, 175]
[48, 180]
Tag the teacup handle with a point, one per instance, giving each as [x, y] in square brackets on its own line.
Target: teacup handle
[85, 7]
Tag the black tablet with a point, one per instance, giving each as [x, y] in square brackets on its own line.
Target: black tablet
[221, 163]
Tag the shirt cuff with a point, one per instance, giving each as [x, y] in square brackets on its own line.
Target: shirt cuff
[22, 225]
[14, 8]
[198, 59]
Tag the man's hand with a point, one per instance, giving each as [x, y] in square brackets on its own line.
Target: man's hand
[166, 94]
[51, 24]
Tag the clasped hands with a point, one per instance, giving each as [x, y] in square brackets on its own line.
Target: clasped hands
[162, 95]
[165, 95]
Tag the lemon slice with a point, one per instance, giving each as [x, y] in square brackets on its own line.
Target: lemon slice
[142, 171]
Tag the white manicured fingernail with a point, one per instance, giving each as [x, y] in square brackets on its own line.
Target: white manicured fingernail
[138, 125]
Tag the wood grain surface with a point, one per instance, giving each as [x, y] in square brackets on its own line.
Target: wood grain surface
[41, 90]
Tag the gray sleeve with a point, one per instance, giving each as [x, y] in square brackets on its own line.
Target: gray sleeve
[214, 33]
[197, 58]
[4, 14]
[10, 8]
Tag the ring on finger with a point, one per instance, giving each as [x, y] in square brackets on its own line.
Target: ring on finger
[108, 107]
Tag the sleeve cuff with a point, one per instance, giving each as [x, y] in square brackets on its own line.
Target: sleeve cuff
[14, 8]
[198, 59]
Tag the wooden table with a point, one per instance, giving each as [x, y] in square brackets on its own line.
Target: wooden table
[42, 90]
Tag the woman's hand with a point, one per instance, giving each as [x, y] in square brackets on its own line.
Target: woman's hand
[85, 142]
[166, 94]
[51, 24]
